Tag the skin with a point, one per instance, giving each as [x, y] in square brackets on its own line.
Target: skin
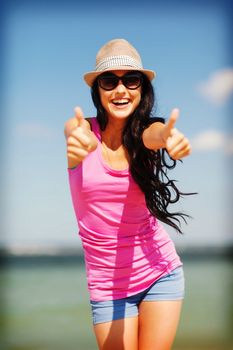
[81, 141]
[155, 326]
[153, 329]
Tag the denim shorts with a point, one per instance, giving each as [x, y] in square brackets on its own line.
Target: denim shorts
[169, 287]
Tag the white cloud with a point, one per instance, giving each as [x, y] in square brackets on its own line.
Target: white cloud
[219, 87]
[212, 140]
[229, 148]
[35, 130]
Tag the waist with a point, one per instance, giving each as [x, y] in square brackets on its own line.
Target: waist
[104, 226]
[125, 248]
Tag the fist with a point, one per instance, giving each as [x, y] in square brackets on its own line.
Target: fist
[176, 144]
[80, 140]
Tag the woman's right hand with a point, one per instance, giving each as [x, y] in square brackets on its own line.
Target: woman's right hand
[80, 139]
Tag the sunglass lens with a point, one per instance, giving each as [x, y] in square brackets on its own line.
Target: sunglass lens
[108, 82]
[132, 81]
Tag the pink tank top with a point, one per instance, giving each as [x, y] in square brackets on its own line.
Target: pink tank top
[125, 248]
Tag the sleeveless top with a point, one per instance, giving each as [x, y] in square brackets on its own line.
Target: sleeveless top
[125, 248]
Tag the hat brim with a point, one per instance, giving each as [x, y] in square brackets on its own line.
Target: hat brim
[91, 76]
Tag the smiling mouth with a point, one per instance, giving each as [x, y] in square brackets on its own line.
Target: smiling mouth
[120, 103]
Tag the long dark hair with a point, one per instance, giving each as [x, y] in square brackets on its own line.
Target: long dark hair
[148, 168]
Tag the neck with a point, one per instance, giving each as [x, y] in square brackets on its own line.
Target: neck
[112, 135]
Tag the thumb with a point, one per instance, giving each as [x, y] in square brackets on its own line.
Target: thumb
[79, 116]
[171, 122]
[173, 118]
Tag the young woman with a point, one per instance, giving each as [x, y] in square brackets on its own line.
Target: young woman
[117, 165]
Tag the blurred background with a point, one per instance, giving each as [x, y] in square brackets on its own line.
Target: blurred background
[46, 46]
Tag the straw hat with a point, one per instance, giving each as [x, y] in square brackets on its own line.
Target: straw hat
[117, 54]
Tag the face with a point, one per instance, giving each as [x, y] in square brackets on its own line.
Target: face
[120, 102]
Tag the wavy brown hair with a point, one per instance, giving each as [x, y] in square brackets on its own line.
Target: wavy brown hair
[148, 168]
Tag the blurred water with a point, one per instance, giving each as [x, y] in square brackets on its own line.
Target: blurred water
[45, 306]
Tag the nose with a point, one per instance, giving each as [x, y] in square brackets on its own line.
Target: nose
[120, 88]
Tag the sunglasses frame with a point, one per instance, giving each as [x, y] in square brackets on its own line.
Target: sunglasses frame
[123, 79]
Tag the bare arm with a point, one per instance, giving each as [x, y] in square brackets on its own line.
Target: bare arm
[152, 136]
[159, 135]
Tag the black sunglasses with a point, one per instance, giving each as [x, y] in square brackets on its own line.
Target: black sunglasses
[130, 80]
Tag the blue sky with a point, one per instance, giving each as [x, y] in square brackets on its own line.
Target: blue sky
[48, 48]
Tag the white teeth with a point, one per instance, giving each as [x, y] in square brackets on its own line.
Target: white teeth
[120, 101]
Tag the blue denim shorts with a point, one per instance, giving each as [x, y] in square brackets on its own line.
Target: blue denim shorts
[169, 287]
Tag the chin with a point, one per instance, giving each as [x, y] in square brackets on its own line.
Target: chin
[121, 114]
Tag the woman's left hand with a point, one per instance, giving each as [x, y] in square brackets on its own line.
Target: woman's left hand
[176, 144]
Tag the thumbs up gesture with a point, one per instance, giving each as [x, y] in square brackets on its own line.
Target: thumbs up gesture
[80, 139]
[176, 143]
[159, 135]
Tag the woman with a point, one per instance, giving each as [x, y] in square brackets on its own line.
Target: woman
[120, 189]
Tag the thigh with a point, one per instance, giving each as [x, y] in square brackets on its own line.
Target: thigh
[158, 321]
[159, 311]
[120, 334]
